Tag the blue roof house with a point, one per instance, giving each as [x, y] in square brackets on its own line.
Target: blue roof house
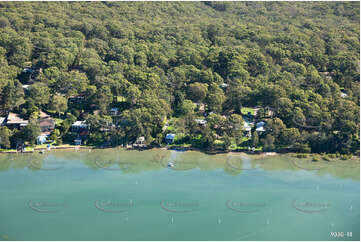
[169, 138]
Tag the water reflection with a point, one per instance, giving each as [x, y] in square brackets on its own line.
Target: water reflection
[130, 161]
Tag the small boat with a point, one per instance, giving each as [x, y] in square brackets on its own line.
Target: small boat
[170, 164]
[42, 152]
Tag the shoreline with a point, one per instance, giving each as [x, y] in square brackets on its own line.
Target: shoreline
[258, 154]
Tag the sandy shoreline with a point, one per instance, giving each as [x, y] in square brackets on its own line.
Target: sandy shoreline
[257, 154]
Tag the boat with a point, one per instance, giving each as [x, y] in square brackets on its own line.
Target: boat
[170, 164]
[42, 152]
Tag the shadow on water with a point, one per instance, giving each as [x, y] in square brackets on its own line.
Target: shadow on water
[131, 161]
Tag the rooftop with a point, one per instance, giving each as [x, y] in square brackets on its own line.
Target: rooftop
[14, 118]
[170, 136]
[79, 123]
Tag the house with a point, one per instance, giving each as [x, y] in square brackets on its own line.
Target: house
[169, 138]
[46, 123]
[2, 121]
[114, 111]
[140, 140]
[15, 122]
[200, 121]
[28, 70]
[260, 127]
[79, 126]
[247, 128]
[77, 141]
[26, 87]
[223, 85]
[41, 139]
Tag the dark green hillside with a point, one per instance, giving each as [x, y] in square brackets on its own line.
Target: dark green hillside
[199, 70]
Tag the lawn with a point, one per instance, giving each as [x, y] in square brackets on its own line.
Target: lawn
[246, 110]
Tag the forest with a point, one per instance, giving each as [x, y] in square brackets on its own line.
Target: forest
[207, 72]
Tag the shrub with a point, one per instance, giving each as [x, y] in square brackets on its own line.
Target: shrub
[301, 156]
[326, 158]
[315, 158]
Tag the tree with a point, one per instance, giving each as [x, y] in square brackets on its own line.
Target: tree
[104, 97]
[255, 139]
[268, 142]
[226, 141]
[58, 104]
[197, 91]
[30, 133]
[12, 95]
[39, 93]
[215, 98]
[5, 134]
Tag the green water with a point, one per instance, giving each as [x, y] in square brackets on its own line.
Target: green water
[132, 195]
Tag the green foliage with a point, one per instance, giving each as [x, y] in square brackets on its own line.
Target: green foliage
[30, 132]
[289, 60]
[5, 134]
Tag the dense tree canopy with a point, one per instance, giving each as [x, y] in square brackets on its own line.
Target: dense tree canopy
[156, 60]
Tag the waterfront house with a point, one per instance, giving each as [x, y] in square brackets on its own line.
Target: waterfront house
[77, 141]
[46, 123]
[140, 142]
[15, 122]
[169, 138]
[41, 139]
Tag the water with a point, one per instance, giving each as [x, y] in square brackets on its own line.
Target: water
[131, 195]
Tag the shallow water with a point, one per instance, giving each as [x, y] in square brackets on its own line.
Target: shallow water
[131, 195]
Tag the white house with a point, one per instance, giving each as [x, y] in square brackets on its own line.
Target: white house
[201, 121]
[78, 126]
[260, 127]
